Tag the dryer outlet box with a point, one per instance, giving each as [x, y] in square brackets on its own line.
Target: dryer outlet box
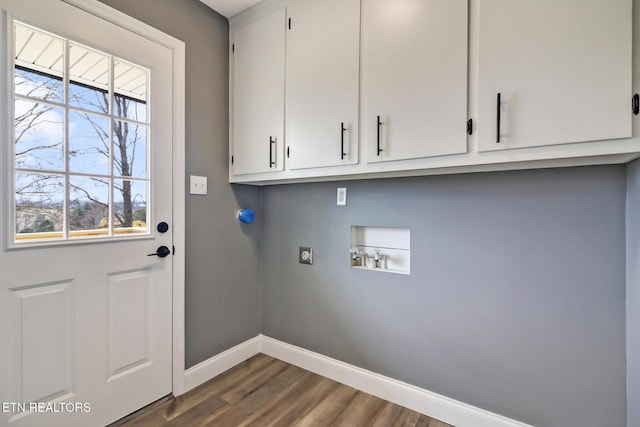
[305, 255]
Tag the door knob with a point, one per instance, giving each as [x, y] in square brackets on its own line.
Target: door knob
[162, 252]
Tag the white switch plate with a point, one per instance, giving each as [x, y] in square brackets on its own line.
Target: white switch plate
[198, 184]
[342, 197]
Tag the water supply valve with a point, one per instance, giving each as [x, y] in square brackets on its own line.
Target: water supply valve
[356, 256]
[378, 257]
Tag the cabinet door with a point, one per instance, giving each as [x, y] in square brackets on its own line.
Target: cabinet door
[258, 95]
[562, 69]
[322, 83]
[414, 78]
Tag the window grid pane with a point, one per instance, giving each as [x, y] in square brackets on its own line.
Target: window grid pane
[81, 145]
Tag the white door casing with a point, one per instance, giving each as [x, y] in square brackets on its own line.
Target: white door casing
[92, 323]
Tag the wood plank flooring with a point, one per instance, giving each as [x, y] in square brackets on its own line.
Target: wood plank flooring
[264, 391]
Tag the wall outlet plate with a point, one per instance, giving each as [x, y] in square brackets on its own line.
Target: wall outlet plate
[305, 255]
[342, 196]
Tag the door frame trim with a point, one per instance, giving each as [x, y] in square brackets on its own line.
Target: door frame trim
[129, 23]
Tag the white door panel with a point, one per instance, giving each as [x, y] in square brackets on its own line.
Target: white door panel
[88, 323]
[42, 331]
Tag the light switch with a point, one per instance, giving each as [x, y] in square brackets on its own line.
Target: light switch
[198, 184]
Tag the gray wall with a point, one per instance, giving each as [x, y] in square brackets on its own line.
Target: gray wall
[516, 301]
[633, 294]
[516, 298]
[222, 264]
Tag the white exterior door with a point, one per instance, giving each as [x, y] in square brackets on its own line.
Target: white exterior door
[85, 313]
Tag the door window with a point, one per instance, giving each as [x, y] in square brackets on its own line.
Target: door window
[81, 141]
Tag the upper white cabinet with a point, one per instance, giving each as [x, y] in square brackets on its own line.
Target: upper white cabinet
[322, 83]
[553, 72]
[414, 78]
[547, 83]
[258, 85]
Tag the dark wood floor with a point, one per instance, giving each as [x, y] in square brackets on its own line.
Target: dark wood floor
[264, 391]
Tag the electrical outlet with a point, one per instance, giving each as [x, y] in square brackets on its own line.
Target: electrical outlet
[305, 255]
[342, 197]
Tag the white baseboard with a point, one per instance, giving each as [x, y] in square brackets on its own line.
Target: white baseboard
[434, 405]
[210, 368]
[426, 402]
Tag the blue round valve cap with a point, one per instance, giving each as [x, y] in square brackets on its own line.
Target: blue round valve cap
[246, 216]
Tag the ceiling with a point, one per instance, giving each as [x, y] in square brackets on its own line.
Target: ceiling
[229, 8]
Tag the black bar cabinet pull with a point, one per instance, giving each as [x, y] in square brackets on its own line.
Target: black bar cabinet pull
[342, 153]
[379, 124]
[271, 143]
[635, 104]
[498, 118]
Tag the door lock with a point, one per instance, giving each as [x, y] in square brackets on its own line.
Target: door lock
[162, 252]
